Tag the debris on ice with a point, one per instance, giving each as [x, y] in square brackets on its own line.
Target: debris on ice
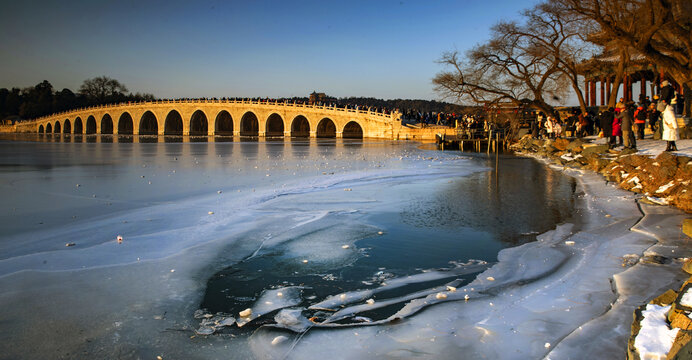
[279, 339]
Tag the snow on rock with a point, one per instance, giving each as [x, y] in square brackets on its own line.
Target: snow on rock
[655, 337]
[656, 200]
[686, 299]
[665, 187]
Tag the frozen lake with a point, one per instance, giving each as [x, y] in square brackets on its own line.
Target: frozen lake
[378, 243]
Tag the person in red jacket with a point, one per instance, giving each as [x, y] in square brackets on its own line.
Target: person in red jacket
[617, 130]
[640, 121]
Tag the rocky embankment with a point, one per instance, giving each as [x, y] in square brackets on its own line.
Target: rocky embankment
[664, 179]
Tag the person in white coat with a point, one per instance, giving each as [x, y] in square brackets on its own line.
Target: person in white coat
[670, 128]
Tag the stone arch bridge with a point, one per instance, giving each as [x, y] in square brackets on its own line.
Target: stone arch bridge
[220, 117]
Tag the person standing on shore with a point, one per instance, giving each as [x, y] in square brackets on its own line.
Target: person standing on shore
[667, 92]
[620, 104]
[606, 123]
[534, 129]
[626, 116]
[549, 127]
[640, 121]
[617, 131]
[670, 128]
[654, 116]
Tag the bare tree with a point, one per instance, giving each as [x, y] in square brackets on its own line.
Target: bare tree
[661, 30]
[102, 89]
[521, 64]
[562, 36]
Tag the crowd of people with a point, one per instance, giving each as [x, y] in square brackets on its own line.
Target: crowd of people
[621, 125]
[431, 117]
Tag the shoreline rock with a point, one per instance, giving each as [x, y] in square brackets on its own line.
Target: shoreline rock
[665, 179]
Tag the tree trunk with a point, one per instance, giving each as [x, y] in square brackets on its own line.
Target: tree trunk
[687, 95]
[580, 96]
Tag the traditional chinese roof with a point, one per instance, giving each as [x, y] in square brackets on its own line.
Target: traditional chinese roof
[605, 64]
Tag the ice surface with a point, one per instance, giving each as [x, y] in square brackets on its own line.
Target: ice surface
[271, 300]
[292, 319]
[655, 336]
[110, 300]
[353, 310]
[335, 301]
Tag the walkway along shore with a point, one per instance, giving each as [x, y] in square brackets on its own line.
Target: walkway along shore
[662, 179]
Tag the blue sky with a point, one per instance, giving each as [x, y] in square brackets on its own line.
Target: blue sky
[384, 49]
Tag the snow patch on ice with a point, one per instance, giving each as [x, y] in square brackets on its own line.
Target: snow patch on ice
[270, 300]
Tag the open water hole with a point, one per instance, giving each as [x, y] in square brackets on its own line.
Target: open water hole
[441, 223]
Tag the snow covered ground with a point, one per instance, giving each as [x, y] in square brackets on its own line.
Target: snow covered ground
[654, 147]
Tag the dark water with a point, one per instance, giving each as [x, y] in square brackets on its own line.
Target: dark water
[439, 224]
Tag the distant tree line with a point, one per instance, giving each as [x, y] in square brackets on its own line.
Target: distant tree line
[392, 104]
[403, 104]
[40, 100]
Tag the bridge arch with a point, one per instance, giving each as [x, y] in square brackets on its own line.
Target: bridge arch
[125, 124]
[91, 125]
[249, 125]
[223, 125]
[326, 128]
[352, 130]
[300, 127]
[66, 127]
[49, 128]
[41, 130]
[275, 125]
[173, 124]
[78, 125]
[199, 126]
[148, 125]
[106, 124]
[56, 128]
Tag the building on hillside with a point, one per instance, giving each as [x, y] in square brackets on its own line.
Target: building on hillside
[317, 98]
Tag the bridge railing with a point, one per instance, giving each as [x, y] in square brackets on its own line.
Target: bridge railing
[216, 101]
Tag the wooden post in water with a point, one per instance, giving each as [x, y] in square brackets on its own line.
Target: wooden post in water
[490, 135]
[497, 151]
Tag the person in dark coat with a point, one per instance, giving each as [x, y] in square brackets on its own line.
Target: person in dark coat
[606, 123]
[627, 118]
[640, 117]
[654, 118]
[667, 92]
